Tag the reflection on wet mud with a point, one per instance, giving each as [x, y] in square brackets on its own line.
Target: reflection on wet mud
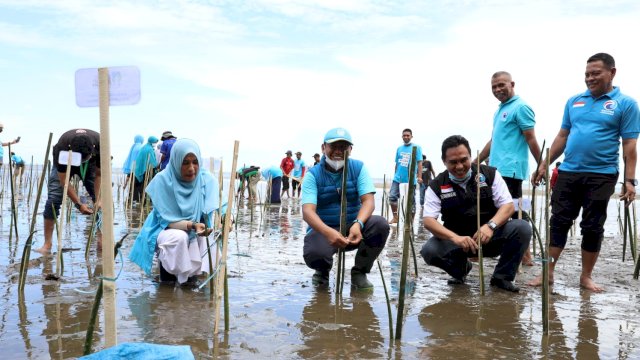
[348, 329]
[463, 321]
[277, 313]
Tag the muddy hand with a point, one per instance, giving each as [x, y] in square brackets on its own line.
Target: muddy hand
[628, 194]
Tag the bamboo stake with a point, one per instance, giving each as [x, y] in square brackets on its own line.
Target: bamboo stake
[222, 272]
[340, 270]
[62, 211]
[88, 340]
[405, 245]
[634, 237]
[386, 295]
[14, 214]
[26, 252]
[110, 332]
[91, 230]
[533, 201]
[480, 257]
[132, 182]
[627, 220]
[546, 259]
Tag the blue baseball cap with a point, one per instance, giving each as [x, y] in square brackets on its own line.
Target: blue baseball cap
[337, 134]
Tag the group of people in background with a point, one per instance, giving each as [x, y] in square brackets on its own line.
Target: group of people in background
[185, 197]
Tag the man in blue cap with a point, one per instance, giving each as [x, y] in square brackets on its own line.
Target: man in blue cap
[321, 194]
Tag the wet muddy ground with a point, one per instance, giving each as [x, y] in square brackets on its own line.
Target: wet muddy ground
[277, 313]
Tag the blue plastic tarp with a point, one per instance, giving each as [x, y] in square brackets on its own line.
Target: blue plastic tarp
[143, 351]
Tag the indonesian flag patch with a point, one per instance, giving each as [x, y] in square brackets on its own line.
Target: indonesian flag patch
[446, 189]
[578, 104]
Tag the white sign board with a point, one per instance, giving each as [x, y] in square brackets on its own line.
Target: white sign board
[124, 86]
[76, 158]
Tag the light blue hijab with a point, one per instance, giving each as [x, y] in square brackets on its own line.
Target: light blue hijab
[146, 158]
[133, 154]
[174, 199]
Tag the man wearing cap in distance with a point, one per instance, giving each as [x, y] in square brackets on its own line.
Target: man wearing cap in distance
[165, 149]
[15, 141]
[299, 168]
[286, 165]
[453, 194]
[87, 143]
[321, 210]
[316, 159]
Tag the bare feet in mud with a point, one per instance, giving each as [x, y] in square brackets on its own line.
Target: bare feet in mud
[538, 281]
[588, 284]
[43, 250]
[527, 260]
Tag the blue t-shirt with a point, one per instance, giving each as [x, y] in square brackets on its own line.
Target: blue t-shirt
[310, 188]
[595, 128]
[509, 149]
[165, 150]
[272, 173]
[17, 160]
[298, 165]
[403, 160]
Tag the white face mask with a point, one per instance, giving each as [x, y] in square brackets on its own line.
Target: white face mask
[335, 164]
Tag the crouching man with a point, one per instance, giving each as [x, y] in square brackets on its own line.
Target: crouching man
[453, 194]
[321, 210]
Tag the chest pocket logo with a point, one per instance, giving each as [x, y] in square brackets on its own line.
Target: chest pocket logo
[447, 192]
[481, 180]
[608, 107]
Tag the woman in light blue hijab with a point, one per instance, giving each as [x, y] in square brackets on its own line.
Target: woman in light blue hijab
[184, 198]
[146, 162]
[133, 154]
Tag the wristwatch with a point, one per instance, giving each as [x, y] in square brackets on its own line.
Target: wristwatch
[492, 225]
[359, 222]
[633, 182]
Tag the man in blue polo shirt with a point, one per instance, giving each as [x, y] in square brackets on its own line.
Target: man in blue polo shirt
[589, 137]
[321, 191]
[512, 138]
[401, 176]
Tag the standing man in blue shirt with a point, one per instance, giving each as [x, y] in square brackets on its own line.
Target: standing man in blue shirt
[321, 195]
[299, 168]
[592, 126]
[512, 139]
[401, 176]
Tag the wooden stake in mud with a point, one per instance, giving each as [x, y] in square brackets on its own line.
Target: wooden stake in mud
[62, 211]
[344, 231]
[107, 212]
[222, 270]
[545, 258]
[405, 245]
[26, 252]
[480, 257]
[14, 215]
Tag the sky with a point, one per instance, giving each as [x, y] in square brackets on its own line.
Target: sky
[276, 75]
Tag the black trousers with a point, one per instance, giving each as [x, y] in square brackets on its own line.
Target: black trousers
[318, 253]
[589, 192]
[509, 241]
